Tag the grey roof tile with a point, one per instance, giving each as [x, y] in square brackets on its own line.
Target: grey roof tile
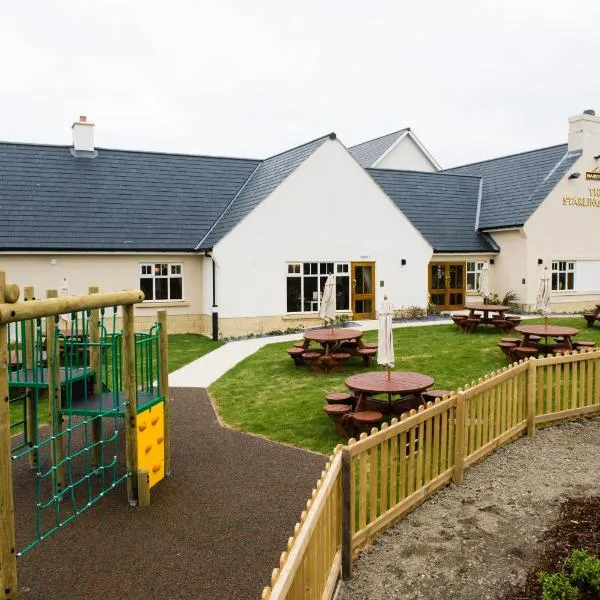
[514, 186]
[368, 152]
[268, 176]
[120, 200]
[441, 207]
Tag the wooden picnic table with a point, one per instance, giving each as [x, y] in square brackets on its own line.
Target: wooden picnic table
[402, 384]
[486, 309]
[331, 340]
[547, 331]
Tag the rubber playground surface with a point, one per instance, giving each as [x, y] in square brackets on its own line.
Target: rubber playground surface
[215, 528]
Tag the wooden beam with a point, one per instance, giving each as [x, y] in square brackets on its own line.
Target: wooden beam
[8, 556]
[346, 515]
[21, 311]
[28, 357]
[54, 399]
[531, 395]
[129, 377]
[94, 336]
[163, 344]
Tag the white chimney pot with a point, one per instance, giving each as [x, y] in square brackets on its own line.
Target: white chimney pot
[83, 135]
[584, 132]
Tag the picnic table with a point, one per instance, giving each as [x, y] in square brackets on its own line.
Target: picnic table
[401, 386]
[337, 345]
[486, 314]
[561, 335]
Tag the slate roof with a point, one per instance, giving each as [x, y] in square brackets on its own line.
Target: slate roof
[120, 200]
[268, 176]
[442, 207]
[368, 152]
[514, 186]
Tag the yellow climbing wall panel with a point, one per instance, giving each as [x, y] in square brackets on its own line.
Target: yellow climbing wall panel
[150, 426]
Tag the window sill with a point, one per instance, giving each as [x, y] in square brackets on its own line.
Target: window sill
[163, 304]
[567, 293]
[310, 315]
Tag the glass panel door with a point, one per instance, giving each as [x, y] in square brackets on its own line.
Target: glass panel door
[447, 285]
[363, 295]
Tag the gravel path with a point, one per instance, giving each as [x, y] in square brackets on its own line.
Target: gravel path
[474, 541]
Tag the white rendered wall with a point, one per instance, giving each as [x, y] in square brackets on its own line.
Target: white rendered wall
[510, 266]
[329, 209]
[110, 272]
[561, 229]
[406, 156]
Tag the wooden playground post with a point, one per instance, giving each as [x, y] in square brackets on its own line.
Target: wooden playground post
[28, 361]
[54, 398]
[129, 378]
[8, 556]
[94, 332]
[163, 344]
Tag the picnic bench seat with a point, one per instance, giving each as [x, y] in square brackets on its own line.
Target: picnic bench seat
[469, 324]
[521, 352]
[337, 412]
[432, 395]
[367, 354]
[365, 420]
[339, 398]
[504, 325]
[583, 344]
[340, 357]
[507, 348]
[591, 316]
[296, 354]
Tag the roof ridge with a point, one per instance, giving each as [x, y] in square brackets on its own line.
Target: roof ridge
[487, 160]
[155, 152]
[330, 135]
[438, 173]
[380, 137]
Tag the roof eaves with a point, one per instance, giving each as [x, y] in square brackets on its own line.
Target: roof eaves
[399, 132]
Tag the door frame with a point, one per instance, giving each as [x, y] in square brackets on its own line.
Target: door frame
[447, 290]
[355, 296]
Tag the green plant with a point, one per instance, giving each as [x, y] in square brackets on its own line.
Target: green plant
[415, 312]
[341, 319]
[510, 298]
[432, 309]
[556, 586]
[585, 569]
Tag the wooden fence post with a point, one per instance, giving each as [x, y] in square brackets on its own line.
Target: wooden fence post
[54, 399]
[129, 378]
[8, 556]
[163, 344]
[346, 515]
[28, 361]
[459, 438]
[94, 333]
[531, 394]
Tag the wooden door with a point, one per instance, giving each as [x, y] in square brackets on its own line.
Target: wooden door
[447, 285]
[363, 290]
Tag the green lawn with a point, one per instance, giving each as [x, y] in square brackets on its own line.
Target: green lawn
[268, 395]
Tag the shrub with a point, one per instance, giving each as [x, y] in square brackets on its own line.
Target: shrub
[556, 586]
[510, 298]
[585, 569]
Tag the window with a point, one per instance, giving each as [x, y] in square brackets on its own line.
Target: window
[474, 275]
[305, 283]
[563, 275]
[162, 281]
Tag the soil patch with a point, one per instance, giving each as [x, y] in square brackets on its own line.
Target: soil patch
[478, 540]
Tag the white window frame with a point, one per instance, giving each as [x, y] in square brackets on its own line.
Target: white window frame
[315, 302]
[563, 267]
[479, 265]
[151, 266]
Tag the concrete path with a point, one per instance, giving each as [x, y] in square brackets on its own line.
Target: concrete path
[204, 371]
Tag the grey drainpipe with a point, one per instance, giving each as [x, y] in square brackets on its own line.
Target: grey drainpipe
[215, 313]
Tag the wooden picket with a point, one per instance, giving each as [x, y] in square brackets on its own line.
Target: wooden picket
[391, 471]
[310, 567]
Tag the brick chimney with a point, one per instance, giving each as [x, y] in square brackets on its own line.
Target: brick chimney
[584, 132]
[83, 136]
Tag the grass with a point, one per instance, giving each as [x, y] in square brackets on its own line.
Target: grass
[267, 394]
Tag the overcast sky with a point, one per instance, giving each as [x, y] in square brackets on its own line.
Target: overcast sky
[474, 79]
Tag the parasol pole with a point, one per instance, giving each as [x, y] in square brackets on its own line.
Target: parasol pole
[389, 374]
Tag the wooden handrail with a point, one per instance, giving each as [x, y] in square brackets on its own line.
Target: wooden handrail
[23, 311]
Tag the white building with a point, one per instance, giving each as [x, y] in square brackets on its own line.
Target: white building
[245, 245]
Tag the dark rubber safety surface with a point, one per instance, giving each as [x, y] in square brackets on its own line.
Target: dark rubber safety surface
[215, 528]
